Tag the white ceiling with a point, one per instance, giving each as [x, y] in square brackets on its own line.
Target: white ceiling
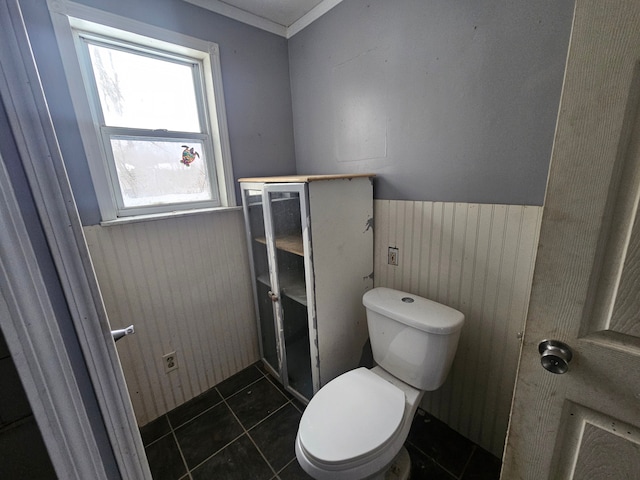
[282, 17]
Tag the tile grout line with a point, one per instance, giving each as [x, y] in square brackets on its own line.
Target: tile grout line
[289, 399]
[240, 388]
[223, 400]
[146, 445]
[198, 414]
[466, 465]
[294, 459]
[438, 463]
[189, 471]
[175, 439]
[277, 473]
[215, 453]
[247, 432]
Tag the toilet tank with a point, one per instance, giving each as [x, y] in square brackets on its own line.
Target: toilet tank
[412, 338]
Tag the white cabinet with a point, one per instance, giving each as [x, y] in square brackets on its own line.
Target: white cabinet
[310, 242]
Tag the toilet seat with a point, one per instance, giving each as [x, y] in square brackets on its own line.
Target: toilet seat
[366, 413]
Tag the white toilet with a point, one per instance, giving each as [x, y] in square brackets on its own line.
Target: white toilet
[356, 425]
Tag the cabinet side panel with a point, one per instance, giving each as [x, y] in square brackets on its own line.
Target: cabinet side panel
[342, 247]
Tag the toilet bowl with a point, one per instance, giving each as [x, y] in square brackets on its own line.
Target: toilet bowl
[355, 426]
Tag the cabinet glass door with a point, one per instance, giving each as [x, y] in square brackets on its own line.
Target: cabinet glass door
[254, 217]
[287, 229]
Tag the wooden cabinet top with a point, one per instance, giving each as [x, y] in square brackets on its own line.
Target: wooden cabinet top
[304, 178]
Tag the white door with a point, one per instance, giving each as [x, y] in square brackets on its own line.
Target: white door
[41, 340]
[585, 424]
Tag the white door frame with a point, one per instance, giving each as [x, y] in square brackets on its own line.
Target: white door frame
[28, 319]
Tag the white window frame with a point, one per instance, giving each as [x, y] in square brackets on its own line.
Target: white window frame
[106, 133]
[68, 17]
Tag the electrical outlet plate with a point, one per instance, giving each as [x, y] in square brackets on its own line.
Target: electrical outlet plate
[170, 362]
[393, 256]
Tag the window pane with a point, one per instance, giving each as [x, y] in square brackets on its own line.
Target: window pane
[138, 91]
[156, 172]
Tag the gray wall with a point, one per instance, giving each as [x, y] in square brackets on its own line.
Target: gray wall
[446, 100]
[255, 73]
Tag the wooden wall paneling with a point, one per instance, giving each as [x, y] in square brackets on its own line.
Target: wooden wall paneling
[490, 259]
[216, 350]
[500, 318]
[477, 258]
[380, 241]
[415, 251]
[184, 283]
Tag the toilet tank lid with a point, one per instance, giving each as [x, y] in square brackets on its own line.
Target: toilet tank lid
[414, 311]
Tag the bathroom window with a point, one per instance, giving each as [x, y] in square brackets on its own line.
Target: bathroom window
[156, 140]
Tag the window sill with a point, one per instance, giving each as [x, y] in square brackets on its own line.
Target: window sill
[166, 215]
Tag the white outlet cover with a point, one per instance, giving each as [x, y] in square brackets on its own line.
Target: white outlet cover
[170, 361]
[393, 256]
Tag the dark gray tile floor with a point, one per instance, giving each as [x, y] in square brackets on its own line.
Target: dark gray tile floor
[245, 428]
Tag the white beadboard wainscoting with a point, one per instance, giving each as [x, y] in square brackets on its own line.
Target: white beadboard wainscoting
[184, 283]
[479, 259]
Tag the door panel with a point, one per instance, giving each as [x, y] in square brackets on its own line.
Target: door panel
[585, 423]
[256, 238]
[624, 317]
[288, 247]
[614, 314]
[597, 446]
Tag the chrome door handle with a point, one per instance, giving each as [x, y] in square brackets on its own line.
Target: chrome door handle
[118, 334]
[555, 356]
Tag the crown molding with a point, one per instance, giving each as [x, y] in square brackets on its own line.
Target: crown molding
[241, 16]
[222, 8]
[311, 16]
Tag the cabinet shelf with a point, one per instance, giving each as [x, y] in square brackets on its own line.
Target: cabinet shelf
[290, 286]
[264, 279]
[288, 243]
[296, 292]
